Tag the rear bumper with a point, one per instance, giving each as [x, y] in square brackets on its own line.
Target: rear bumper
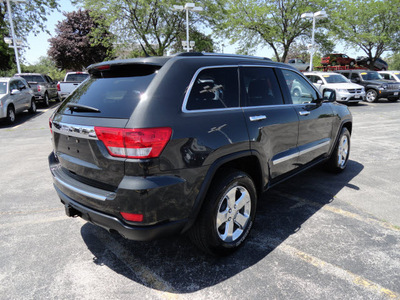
[159, 199]
[113, 224]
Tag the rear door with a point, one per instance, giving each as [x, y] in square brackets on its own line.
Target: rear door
[315, 119]
[272, 124]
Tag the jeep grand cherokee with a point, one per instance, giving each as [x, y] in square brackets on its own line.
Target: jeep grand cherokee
[155, 146]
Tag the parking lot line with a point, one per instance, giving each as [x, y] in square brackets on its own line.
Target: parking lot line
[338, 211]
[328, 268]
[339, 272]
[147, 276]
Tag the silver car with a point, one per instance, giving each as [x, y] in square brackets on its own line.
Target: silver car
[15, 97]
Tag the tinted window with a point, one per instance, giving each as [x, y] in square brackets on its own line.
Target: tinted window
[300, 90]
[33, 78]
[13, 85]
[354, 76]
[214, 89]
[371, 75]
[115, 97]
[259, 87]
[21, 85]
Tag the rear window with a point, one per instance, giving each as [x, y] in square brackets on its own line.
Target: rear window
[76, 77]
[114, 97]
[33, 78]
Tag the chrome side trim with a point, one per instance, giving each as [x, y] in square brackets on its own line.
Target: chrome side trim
[79, 131]
[315, 147]
[110, 196]
[285, 158]
[298, 154]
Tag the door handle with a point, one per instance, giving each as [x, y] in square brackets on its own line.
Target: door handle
[257, 118]
[304, 113]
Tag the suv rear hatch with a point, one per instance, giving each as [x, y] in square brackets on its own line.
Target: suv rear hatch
[86, 128]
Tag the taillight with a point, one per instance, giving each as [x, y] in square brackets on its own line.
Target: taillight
[51, 123]
[58, 87]
[132, 217]
[134, 143]
[38, 88]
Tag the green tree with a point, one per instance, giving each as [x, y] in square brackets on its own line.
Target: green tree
[28, 17]
[202, 41]
[369, 25]
[150, 23]
[45, 66]
[393, 61]
[276, 23]
[72, 48]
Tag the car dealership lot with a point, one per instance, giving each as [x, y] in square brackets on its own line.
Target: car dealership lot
[316, 236]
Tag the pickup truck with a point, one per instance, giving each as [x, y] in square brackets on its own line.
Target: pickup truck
[42, 85]
[71, 81]
[299, 64]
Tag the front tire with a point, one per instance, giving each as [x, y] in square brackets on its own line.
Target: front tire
[227, 215]
[46, 100]
[10, 115]
[371, 96]
[340, 156]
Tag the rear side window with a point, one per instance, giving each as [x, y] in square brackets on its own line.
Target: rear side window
[3, 87]
[214, 88]
[33, 78]
[259, 87]
[113, 97]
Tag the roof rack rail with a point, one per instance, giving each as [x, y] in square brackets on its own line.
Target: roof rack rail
[221, 55]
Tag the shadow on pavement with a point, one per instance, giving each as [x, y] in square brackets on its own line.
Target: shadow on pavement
[175, 265]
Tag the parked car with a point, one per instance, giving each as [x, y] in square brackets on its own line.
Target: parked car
[155, 146]
[42, 85]
[337, 59]
[376, 87]
[70, 83]
[299, 64]
[390, 75]
[15, 97]
[379, 64]
[346, 91]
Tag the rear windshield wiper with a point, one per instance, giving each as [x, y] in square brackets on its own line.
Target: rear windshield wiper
[82, 108]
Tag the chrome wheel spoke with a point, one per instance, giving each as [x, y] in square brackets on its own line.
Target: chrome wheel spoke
[242, 201]
[241, 220]
[222, 217]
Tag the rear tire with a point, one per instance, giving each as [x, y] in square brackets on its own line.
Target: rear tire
[227, 214]
[32, 109]
[340, 155]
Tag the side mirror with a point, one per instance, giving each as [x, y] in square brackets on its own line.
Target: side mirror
[356, 79]
[329, 95]
[319, 82]
[15, 92]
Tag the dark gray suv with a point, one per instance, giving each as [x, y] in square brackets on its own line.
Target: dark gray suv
[157, 146]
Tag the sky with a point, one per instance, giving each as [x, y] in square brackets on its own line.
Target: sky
[39, 45]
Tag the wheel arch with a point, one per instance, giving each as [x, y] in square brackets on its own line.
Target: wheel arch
[244, 161]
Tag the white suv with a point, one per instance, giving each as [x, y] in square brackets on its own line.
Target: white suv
[390, 75]
[346, 91]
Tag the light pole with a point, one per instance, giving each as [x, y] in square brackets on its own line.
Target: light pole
[187, 7]
[313, 16]
[13, 37]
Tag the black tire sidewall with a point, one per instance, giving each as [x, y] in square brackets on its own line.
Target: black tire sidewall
[236, 179]
[334, 158]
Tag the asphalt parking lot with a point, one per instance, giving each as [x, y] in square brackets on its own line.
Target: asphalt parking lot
[316, 236]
